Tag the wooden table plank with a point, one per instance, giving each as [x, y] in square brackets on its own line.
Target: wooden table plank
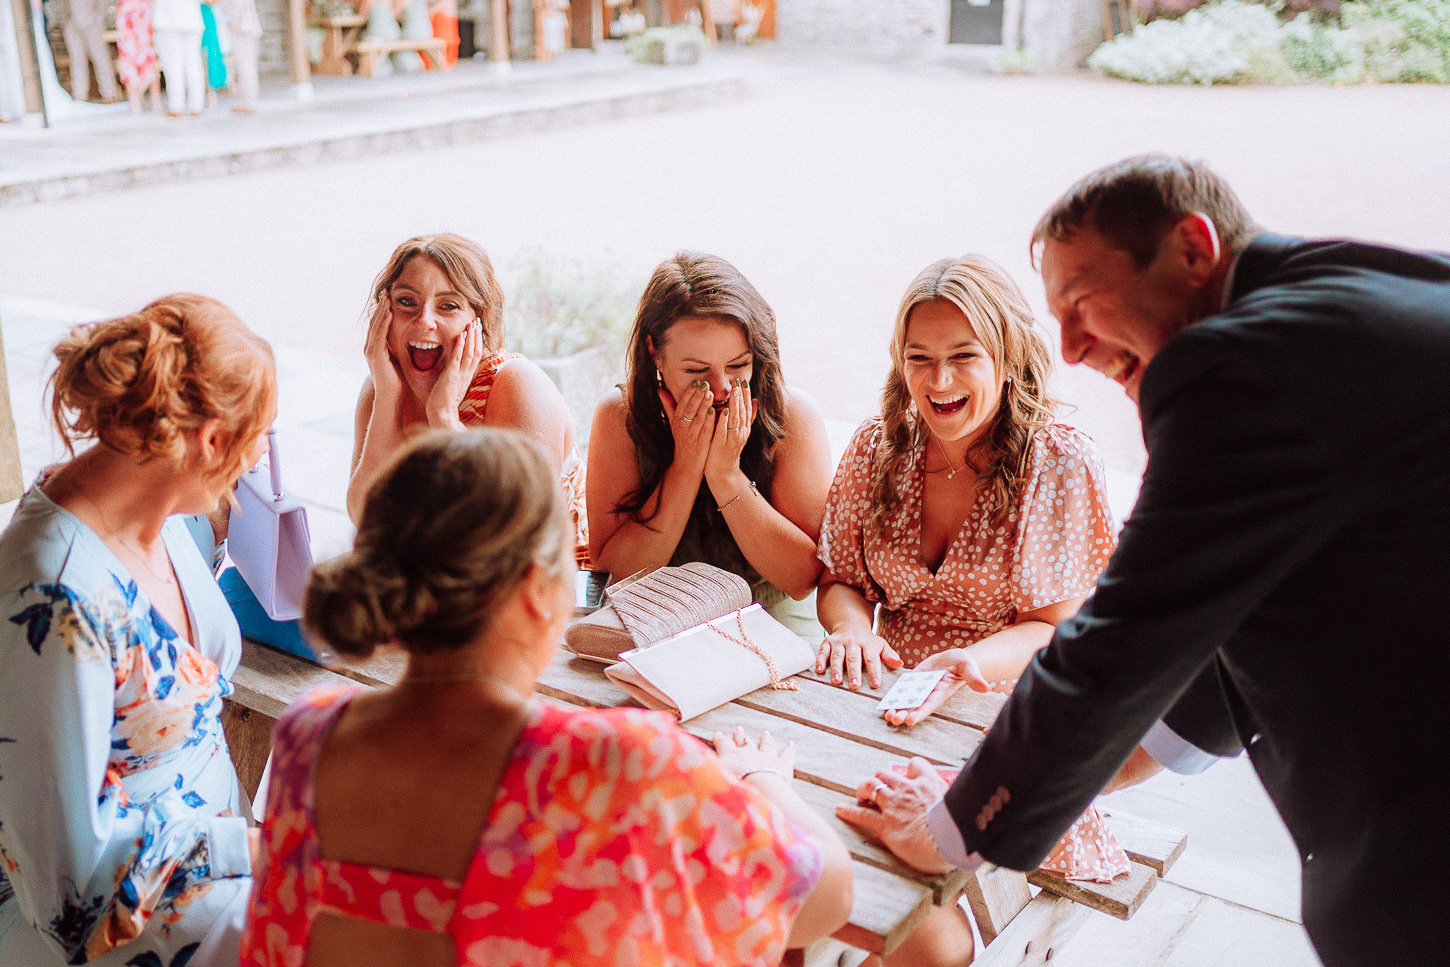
[976, 709]
[1043, 927]
[996, 895]
[1156, 845]
[1120, 898]
[885, 909]
[854, 716]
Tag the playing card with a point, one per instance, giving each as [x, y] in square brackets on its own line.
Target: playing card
[910, 690]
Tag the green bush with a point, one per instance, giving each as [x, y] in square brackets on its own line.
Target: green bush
[1231, 42]
[556, 307]
[1402, 40]
[1234, 42]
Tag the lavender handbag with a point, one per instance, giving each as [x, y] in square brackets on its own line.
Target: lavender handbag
[268, 539]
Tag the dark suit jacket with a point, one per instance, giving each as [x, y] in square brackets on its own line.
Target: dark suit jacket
[1289, 554]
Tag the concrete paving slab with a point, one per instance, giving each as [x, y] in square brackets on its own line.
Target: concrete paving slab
[104, 147]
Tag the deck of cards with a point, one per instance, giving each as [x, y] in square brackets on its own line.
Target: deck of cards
[910, 690]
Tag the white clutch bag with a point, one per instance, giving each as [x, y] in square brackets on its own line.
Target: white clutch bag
[268, 539]
[713, 663]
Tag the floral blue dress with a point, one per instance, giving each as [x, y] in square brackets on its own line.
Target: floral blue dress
[122, 840]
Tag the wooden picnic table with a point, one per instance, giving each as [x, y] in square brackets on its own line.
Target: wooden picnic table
[840, 741]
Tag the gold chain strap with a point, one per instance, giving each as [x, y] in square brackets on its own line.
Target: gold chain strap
[744, 642]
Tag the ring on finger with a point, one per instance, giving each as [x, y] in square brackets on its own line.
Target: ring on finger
[686, 419]
[877, 788]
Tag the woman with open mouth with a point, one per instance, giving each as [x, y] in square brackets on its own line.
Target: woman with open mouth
[435, 360]
[970, 519]
[704, 454]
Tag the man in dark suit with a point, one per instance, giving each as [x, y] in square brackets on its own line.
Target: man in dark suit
[1279, 582]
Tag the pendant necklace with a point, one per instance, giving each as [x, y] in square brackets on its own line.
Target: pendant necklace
[168, 580]
[951, 470]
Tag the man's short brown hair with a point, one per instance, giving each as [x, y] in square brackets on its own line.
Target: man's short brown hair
[1134, 203]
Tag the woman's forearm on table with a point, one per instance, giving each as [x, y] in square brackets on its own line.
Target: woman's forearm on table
[843, 608]
[1006, 654]
[775, 546]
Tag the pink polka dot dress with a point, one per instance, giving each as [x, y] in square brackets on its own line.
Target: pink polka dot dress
[1048, 548]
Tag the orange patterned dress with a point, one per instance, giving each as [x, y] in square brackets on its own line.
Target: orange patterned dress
[1049, 548]
[471, 411]
[614, 839]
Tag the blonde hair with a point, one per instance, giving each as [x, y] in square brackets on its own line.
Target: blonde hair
[1001, 320]
[450, 526]
[468, 269]
[139, 383]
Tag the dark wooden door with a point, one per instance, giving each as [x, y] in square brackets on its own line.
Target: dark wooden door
[973, 22]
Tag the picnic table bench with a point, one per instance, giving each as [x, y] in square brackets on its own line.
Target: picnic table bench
[341, 41]
[840, 740]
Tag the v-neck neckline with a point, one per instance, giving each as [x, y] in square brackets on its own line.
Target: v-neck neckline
[919, 520]
[117, 568]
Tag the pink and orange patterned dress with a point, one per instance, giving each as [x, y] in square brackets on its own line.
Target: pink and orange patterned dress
[136, 60]
[471, 411]
[1049, 548]
[614, 839]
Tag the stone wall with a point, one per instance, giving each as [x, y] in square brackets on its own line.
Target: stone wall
[273, 14]
[1056, 34]
[892, 29]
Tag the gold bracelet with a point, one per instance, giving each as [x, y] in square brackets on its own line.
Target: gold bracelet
[742, 493]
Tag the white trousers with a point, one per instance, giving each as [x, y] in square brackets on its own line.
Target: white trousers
[86, 46]
[181, 63]
[245, 53]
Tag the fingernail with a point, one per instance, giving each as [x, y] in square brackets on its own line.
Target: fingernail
[855, 683]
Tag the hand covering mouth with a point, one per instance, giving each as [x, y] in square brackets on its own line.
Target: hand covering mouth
[947, 407]
[425, 356]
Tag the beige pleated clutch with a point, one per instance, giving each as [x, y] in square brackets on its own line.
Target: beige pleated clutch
[653, 605]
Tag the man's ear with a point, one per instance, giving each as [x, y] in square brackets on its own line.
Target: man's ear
[1199, 244]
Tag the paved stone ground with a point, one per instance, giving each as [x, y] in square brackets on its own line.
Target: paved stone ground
[829, 183]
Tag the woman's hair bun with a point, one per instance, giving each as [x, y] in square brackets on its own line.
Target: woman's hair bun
[139, 383]
[450, 526]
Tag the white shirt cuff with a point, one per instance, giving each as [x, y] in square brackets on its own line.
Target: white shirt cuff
[1173, 752]
[227, 841]
[948, 838]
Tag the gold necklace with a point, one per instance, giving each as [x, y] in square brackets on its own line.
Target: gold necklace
[133, 550]
[951, 470]
[744, 642]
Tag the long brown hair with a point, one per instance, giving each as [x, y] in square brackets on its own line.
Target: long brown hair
[138, 383]
[687, 285]
[468, 269]
[1002, 322]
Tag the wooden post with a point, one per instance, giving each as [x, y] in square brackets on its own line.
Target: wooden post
[12, 483]
[498, 41]
[298, 66]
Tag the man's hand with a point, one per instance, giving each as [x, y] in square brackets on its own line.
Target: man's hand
[893, 806]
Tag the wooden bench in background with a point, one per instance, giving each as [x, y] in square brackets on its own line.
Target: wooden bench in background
[370, 51]
[339, 39]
